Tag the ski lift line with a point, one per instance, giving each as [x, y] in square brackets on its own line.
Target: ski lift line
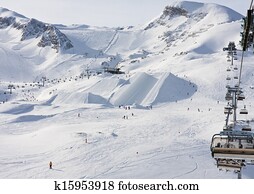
[235, 142]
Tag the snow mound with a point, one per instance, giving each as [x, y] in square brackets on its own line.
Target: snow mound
[170, 88]
[144, 89]
[135, 90]
[80, 97]
[95, 99]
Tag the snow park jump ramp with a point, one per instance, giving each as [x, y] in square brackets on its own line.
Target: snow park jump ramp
[145, 89]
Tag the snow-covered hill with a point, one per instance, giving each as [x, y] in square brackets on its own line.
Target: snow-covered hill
[48, 34]
[154, 121]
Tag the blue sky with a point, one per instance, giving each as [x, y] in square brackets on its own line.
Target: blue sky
[110, 13]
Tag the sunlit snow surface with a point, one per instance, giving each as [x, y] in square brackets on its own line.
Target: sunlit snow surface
[174, 85]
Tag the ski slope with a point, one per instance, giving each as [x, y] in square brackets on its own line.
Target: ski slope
[154, 121]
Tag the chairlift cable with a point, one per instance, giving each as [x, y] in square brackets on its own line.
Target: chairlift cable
[251, 4]
[240, 74]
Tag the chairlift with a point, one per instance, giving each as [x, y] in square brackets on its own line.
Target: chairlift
[233, 145]
[228, 96]
[244, 111]
[240, 97]
[230, 165]
[228, 110]
[246, 128]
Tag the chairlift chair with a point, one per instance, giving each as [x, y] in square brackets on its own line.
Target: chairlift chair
[233, 145]
[235, 68]
[244, 111]
[235, 77]
[228, 96]
[228, 110]
[246, 128]
[228, 69]
[228, 164]
[240, 97]
[228, 78]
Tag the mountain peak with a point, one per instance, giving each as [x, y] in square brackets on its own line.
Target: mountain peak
[171, 11]
[6, 13]
[207, 8]
[48, 34]
[212, 13]
[189, 6]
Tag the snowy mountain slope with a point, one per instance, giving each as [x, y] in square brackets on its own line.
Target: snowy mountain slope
[175, 63]
[31, 28]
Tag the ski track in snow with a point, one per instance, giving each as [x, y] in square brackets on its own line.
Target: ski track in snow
[112, 42]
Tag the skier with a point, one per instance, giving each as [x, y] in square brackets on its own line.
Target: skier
[50, 165]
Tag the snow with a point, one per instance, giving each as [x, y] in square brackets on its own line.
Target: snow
[154, 121]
